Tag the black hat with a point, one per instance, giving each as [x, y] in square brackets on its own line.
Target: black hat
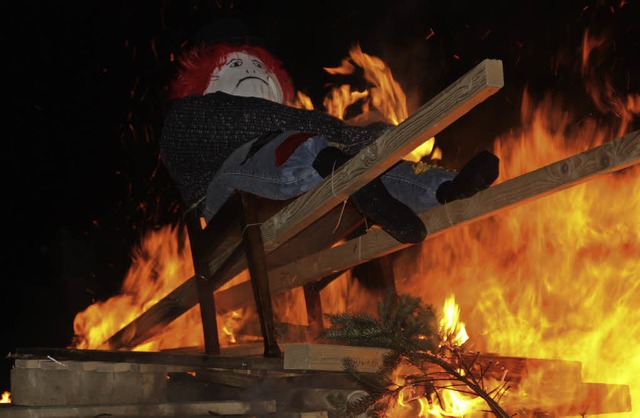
[228, 29]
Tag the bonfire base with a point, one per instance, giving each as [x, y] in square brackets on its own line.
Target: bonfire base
[48, 383]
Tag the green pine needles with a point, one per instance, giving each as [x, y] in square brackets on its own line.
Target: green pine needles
[417, 367]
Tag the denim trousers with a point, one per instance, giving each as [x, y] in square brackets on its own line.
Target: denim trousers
[258, 174]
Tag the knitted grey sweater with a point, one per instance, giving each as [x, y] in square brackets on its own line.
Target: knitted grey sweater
[200, 132]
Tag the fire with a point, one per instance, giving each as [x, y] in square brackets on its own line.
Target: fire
[452, 331]
[5, 397]
[555, 278]
[161, 263]
[385, 99]
[451, 399]
[457, 404]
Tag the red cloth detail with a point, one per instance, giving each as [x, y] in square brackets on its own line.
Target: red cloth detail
[289, 145]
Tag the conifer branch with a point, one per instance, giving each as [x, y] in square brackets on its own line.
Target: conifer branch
[407, 327]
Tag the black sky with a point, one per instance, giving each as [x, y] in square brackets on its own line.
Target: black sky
[86, 98]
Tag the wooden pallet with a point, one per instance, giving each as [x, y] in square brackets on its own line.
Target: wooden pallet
[49, 382]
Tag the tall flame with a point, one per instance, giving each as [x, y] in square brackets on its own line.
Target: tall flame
[452, 330]
[558, 277]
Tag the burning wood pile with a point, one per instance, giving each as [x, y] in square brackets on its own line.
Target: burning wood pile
[297, 376]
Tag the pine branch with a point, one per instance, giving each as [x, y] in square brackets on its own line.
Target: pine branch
[405, 324]
[407, 327]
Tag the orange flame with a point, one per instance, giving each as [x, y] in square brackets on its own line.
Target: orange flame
[450, 400]
[384, 96]
[556, 277]
[452, 331]
[161, 263]
[5, 397]
[455, 404]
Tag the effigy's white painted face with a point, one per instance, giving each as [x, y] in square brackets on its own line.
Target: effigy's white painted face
[245, 75]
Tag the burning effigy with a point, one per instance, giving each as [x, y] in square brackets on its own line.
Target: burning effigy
[542, 267]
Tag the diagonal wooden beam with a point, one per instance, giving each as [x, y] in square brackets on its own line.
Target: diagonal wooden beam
[430, 119]
[609, 157]
[471, 89]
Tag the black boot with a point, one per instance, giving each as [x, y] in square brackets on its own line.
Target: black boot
[476, 175]
[374, 201]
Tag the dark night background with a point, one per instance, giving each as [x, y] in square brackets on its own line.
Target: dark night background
[86, 96]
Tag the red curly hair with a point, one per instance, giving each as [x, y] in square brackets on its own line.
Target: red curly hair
[196, 65]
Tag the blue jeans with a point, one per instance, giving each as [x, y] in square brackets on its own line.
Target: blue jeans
[259, 175]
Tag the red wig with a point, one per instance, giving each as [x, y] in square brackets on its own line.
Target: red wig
[197, 64]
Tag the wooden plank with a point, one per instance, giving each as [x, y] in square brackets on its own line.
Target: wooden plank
[559, 381]
[336, 225]
[430, 119]
[181, 409]
[599, 398]
[329, 357]
[228, 378]
[254, 362]
[612, 156]
[434, 116]
[579, 399]
[304, 414]
[156, 318]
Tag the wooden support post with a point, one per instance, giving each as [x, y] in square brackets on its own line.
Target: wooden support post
[257, 263]
[208, 316]
[376, 274]
[314, 310]
[204, 285]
